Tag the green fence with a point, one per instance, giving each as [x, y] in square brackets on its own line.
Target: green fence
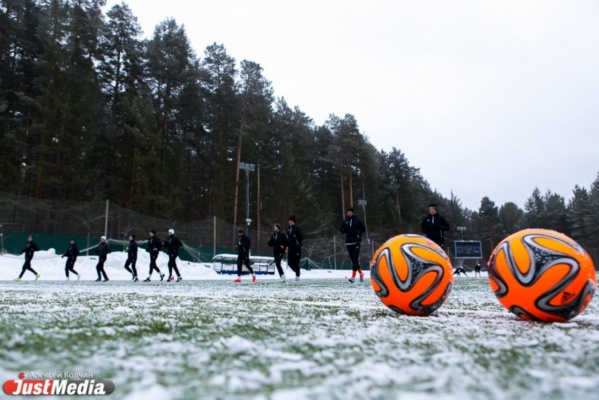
[14, 242]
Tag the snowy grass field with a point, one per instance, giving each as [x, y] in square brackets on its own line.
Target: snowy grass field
[207, 338]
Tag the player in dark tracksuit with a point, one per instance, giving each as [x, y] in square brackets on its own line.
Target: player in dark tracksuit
[295, 238]
[172, 245]
[132, 258]
[102, 250]
[278, 242]
[29, 249]
[243, 255]
[434, 225]
[71, 255]
[460, 270]
[154, 245]
[353, 228]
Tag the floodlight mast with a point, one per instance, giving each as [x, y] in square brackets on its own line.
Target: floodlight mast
[362, 202]
[247, 168]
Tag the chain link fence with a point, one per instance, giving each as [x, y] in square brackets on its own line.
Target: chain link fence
[55, 222]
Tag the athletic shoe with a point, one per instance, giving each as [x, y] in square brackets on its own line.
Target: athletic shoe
[253, 278]
[37, 277]
[179, 279]
[238, 280]
[282, 278]
[68, 279]
[170, 278]
[362, 277]
[147, 279]
[351, 280]
[135, 279]
[98, 280]
[17, 279]
[78, 277]
[297, 279]
[161, 277]
[106, 280]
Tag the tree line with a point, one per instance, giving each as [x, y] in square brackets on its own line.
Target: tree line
[90, 111]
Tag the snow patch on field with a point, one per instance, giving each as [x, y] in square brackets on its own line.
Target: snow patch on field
[208, 338]
[51, 266]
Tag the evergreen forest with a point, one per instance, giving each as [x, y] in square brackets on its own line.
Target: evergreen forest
[92, 111]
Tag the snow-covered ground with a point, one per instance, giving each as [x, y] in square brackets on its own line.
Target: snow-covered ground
[51, 266]
[208, 338]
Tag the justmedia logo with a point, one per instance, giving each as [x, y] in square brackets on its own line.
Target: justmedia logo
[57, 384]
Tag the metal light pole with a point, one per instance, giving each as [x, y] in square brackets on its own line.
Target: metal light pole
[247, 168]
[335, 250]
[362, 202]
[106, 219]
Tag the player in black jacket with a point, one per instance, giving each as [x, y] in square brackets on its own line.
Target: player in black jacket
[434, 225]
[29, 249]
[295, 238]
[460, 270]
[132, 257]
[154, 245]
[243, 255]
[102, 250]
[172, 245]
[353, 228]
[278, 242]
[71, 255]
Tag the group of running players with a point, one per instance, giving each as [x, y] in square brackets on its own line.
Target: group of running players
[433, 226]
[171, 245]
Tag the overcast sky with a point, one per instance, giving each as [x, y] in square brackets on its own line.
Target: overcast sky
[487, 98]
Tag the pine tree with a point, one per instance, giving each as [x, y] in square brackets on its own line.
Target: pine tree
[406, 193]
[170, 68]
[489, 225]
[511, 217]
[555, 216]
[256, 95]
[121, 81]
[218, 72]
[580, 214]
[20, 50]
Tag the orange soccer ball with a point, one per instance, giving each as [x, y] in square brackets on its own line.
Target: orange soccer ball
[411, 275]
[542, 275]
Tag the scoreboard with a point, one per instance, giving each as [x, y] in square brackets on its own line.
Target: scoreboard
[468, 249]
